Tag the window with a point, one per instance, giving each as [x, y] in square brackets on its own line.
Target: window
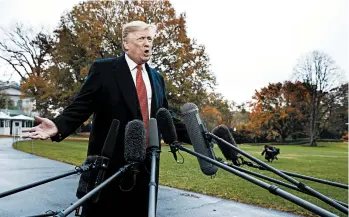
[1, 123]
[6, 123]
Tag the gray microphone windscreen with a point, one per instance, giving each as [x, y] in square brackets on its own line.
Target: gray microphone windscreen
[166, 126]
[223, 132]
[135, 141]
[195, 130]
[153, 133]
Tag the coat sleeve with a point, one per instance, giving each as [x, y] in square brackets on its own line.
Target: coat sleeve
[82, 107]
[181, 130]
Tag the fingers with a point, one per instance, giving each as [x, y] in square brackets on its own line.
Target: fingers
[38, 119]
[33, 129]
[36, 135]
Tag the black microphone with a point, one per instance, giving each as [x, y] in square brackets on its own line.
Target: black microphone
[134, 149]
[153, 134]
[167, 129]
[197, 133]
[154, 148]
[91, 179]
[223, 132]
[134, 153]
[107, 150]
[135, 141]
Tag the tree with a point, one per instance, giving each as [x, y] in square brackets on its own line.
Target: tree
[28, 53]
[240, 115]
[335, 124]
[211, 117]
[277, 110]
[319, 73]
[223, 106]
[92, 30]
[6, 102]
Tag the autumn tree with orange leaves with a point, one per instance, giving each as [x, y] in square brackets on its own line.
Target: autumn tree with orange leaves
[92, 30]
[278, 110]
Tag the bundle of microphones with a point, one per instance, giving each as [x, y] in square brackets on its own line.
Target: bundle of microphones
[93, 180]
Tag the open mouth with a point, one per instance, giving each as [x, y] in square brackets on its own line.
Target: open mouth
[147, 52]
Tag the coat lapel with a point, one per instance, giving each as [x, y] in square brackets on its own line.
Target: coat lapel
[153, 92]
[127, 86]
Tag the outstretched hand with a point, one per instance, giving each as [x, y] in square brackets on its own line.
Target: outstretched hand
[44, 130]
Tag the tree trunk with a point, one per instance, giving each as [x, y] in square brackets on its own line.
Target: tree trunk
[313, 120]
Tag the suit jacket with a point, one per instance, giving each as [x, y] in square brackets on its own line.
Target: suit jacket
[109, 93]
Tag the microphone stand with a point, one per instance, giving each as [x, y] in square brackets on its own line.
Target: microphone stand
[77, 170]
[89, 195]
[271, 188]
[152, 184]
[309, 178]
[273, 180]
[299, 185]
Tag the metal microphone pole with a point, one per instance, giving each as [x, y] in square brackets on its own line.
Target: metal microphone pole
[77, 170]
[154, 148]
[94, 191]
[310, 178]
[323, 181]
[152, 184]
[271, 188]
[300, 185]
[274, 180]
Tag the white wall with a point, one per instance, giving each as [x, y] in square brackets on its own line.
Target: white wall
[5, 130]
[15, 96]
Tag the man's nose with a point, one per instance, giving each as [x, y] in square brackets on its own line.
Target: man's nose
[147, 43]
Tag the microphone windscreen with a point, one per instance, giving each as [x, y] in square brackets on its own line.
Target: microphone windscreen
[166, 126]
[196, 130]
[135, 141]
[223, 132]
[153, 133]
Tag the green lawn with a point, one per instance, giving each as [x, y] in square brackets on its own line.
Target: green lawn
[328, 161]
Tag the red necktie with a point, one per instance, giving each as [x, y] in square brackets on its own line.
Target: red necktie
[142, 98]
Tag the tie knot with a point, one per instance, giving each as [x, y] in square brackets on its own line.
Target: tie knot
[139, 67]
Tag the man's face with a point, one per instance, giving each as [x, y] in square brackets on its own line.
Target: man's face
[138, 46]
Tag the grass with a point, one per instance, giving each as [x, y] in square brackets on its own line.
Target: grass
[328, 161]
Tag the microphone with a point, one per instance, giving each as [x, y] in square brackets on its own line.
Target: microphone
[154, 147]
[167, 129]
[93, 178]
[153, 134]
[223, 132]
[135, 148]
[197, 133]
[134, 151]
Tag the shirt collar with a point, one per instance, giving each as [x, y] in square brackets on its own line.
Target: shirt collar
[131, 64]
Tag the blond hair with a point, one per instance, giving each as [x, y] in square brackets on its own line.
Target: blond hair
[136, 26]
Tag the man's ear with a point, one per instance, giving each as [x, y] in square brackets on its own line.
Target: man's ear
[126, 45]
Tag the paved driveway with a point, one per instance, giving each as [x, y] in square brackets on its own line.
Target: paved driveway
[18, 168]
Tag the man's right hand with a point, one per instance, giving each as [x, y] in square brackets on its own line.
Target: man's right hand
[44, 130]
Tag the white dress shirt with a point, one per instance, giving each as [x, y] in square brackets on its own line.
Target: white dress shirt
[133, 68]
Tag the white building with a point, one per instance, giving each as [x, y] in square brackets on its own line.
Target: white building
[12, 122]
[14, 125]
[5, 123]
[12, 90]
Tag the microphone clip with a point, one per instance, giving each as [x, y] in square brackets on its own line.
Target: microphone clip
[174, 148]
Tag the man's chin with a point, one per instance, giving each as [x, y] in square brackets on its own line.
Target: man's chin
[145, 59]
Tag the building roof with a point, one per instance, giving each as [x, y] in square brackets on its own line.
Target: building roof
[22, 117]
[4, 116]
[6, 85]
[12, 112]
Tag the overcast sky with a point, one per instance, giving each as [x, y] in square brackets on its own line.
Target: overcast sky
[250, 43]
